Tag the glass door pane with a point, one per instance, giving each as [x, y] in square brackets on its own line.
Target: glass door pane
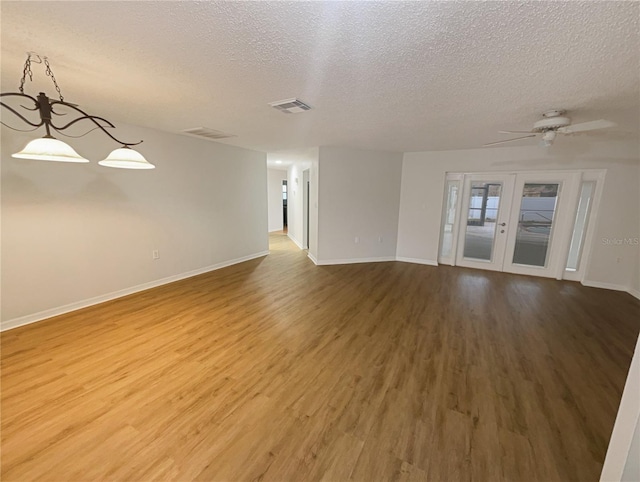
[482, 215]
[449, 218]
[535, 220]
[580, 225]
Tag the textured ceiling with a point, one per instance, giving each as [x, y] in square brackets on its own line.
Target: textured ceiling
[379, 75]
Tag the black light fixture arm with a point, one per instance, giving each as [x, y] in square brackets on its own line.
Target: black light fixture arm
[90, 117]
[45, 107]
[18, 114]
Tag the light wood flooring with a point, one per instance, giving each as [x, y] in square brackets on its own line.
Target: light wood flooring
[276, 369]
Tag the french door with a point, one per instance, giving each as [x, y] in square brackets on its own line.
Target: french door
[486, 207]
[519, 223]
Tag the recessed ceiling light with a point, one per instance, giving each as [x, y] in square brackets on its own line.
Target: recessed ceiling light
[278, 162]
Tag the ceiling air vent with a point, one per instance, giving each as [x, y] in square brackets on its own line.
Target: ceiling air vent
[207, 133]
[290, 106]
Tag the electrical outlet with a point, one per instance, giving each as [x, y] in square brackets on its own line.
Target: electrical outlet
[380, 239]
[356, 240]
[155, 254]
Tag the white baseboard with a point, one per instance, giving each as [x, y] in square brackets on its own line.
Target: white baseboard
[606, 286]
[312, 258]
[611, 286]
[327, 262]
[60, 310]
[276, 230]
[428, 262]
[295, 241]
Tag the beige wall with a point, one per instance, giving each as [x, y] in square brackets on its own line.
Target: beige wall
[616, 266]
[73, 234]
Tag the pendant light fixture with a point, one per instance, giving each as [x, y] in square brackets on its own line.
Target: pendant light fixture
[126, 158]
[48, 148]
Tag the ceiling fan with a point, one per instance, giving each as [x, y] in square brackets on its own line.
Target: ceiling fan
[553, 123]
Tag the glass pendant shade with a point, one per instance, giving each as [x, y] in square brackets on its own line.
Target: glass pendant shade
[49, 149]
[126, 158]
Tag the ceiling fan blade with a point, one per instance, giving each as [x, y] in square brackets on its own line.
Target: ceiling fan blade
[508, 140]
[516, 132]
[587, 126]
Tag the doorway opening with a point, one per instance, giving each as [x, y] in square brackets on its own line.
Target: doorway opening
[284, 206]
[305, 209]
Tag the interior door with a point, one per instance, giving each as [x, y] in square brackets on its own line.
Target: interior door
[484, 219]
[540, 223]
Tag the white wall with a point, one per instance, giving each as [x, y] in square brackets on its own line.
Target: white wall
[623, 456]
[274, 189]
[359, 196]
[631, 471]
[314, 181]
[294, 206]
[74, 233]
[615, 266]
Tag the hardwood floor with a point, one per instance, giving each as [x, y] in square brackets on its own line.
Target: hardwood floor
[276, 369]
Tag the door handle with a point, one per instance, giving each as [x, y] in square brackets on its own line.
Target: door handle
[503, 224]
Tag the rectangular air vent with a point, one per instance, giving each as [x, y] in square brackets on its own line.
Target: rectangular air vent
[207, 133]
[290, 106]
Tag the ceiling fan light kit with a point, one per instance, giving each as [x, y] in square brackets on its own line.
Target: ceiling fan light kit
[48, 148]
[554, 122]
[547, 138]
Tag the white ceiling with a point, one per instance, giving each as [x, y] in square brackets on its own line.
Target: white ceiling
[286, 158]
[380, 75]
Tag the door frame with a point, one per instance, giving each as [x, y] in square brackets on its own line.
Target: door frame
[561, 228]
[581, 175]
[305, 208]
